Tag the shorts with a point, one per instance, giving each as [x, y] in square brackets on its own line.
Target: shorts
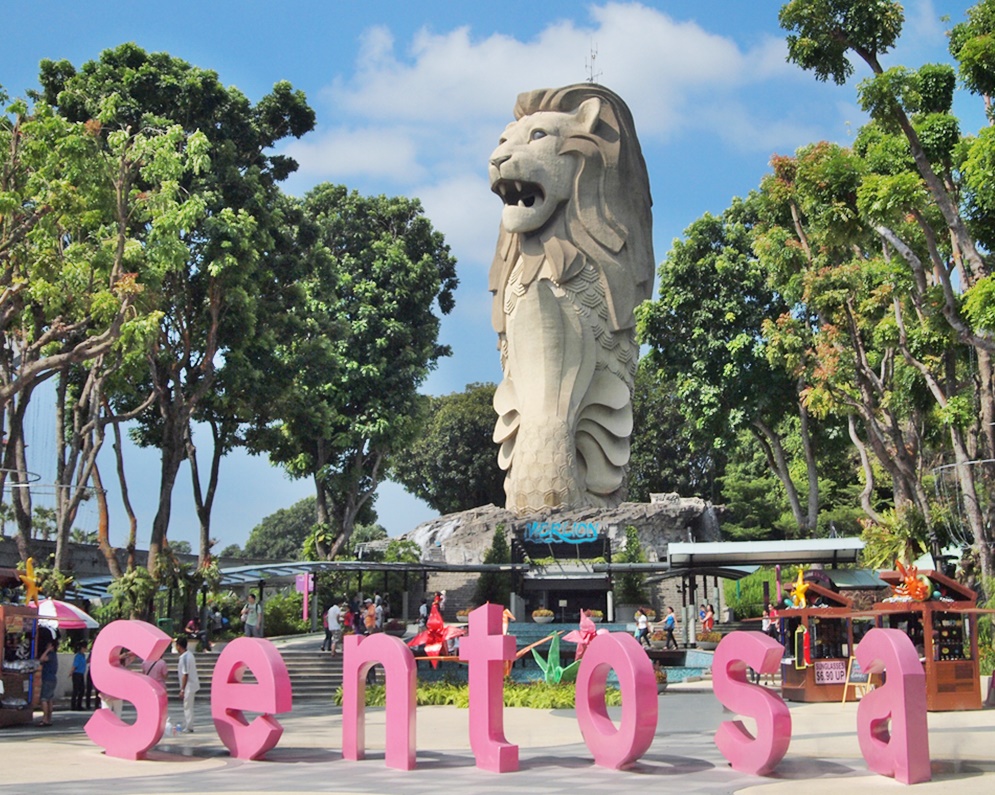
[48, 689]
[336, 636]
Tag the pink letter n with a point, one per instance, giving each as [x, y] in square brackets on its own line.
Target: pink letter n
[358, 656]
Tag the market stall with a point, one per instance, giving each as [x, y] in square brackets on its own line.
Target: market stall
[21, 673]
[940, 617]
[818, 644]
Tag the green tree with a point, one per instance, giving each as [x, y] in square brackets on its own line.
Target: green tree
[281, 535]
[71, 197]
[705, 336]
[495, 586]
[452, 462]
[628, 587]
[368, 336]
[208, 305]
[667, 455]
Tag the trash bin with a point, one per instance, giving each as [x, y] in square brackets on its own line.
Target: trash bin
[166, 625]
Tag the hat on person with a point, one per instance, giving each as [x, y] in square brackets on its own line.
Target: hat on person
[368, 602]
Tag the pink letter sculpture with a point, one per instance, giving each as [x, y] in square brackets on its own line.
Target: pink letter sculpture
[904, 751]
[112, 679]
[229, 697]
[756, 755]
[611, 747]
[486, 649]
[358, 656]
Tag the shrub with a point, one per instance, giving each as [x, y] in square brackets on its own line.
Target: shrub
[283, 614]
[534, 695]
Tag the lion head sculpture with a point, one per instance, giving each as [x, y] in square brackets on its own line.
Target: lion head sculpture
[605, 216]
[574, 258]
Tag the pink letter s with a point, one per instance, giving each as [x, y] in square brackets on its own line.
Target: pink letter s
[229, 697]
[109, 677]
[903, 752]
[757, 755]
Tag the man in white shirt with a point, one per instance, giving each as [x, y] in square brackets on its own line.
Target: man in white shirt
[186, 670]
[334, 617]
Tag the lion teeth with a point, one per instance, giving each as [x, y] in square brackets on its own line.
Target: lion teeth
[503, 187]
[518, 186]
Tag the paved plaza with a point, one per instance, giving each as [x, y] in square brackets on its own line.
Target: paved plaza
[823, 758]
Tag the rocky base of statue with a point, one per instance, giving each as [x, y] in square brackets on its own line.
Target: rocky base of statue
[464, 537]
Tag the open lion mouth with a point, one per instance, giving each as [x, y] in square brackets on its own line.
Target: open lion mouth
[515, 193]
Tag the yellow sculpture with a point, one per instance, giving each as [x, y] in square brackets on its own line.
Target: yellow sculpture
[30, 582]
[798, 597]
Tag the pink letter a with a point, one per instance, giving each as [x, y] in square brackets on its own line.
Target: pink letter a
[904, 751]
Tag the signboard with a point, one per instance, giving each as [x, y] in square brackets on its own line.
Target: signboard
[562, 532]
[830, 672]
[856, 676]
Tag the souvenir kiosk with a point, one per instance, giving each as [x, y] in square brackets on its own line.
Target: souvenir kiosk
[20, 674]
[818, 641]
[940, 617]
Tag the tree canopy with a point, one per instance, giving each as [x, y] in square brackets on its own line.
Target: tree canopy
[452, 461]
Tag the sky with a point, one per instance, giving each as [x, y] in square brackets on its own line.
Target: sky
[410, 100]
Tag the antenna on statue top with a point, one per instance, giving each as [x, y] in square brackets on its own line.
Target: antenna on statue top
[592, 76]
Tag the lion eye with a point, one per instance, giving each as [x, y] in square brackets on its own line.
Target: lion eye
[537, 134]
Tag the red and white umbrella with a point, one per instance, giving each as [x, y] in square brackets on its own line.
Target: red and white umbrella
[62, 615]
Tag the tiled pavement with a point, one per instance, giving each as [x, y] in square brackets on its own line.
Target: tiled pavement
[823, 758]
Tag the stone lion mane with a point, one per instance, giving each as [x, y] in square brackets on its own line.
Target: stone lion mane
[608, 217]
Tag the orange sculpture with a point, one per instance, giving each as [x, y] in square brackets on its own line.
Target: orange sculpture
[912, 585]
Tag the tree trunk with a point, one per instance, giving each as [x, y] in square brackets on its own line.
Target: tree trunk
[103, 526]
[810, 466]
[774, 452]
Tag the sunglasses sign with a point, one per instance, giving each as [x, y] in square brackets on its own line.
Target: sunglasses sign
[891, 720]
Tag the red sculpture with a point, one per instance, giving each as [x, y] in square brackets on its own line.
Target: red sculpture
[436, 636]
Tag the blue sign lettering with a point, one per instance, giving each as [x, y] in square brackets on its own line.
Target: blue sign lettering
[562, 532]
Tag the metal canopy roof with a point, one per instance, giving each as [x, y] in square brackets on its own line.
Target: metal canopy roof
[741, 553]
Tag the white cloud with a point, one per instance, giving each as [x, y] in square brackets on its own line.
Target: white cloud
[466, 212]
[340, 153]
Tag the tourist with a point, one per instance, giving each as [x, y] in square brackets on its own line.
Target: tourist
[157, 670]
[709, 621]
[334, 619]
[370, 617]
[642, 627]
[186, 670]
[669, 625]
[195, 632]
[251, 618]
[328, 633]
[423, 613]
[79, 676]
[49, 659]
[378, 614]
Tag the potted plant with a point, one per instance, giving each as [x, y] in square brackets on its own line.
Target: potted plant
[595, 615]
[464, 615]
[661, 678]
[658, 639]
[650, 613]
[708, 640]
[542, 615]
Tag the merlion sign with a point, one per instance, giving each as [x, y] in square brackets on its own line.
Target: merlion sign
[891, 720]
[562, 532]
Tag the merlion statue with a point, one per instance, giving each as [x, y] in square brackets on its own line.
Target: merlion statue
[574, 257]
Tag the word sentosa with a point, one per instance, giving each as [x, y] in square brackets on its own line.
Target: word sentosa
[902, 751]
